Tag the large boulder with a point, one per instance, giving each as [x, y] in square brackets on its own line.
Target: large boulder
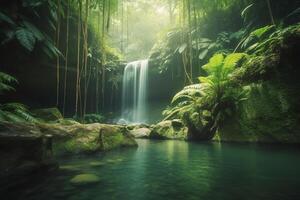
[140, 132]
[76, 138]
[170, 129]
[87, 138]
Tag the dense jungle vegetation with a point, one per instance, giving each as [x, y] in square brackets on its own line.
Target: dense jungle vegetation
[78, 49]
[79, 77]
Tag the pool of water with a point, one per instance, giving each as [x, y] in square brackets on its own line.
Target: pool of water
[176, 170]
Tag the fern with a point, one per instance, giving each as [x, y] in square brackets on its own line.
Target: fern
[5, 82]
[15, 112]
[26, 38]
[5, 18]
[232, 60]
[34, 30]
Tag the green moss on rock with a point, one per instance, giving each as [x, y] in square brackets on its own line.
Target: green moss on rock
[169, 130]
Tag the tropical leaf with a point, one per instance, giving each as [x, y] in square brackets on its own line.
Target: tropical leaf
[243, 13]
[26, 38]
[5, 18]
[203, 54]
[214, 63]
[34, 30]
[262, 31]
[7, 78]
[231, 60]
[182, 48]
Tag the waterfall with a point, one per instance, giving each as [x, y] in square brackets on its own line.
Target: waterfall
[134, 93]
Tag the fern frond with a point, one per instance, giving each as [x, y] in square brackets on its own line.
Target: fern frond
[214, 63]
[5, 18]
[231, 60]
[26, 38]
[7, 78]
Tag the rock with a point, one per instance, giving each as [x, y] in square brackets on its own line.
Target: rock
[84, 179]
[137, 126]
[68, 122]
[170, 129]
[114, 161]
[76, 138]
[97, 163]
[47, 114]
[23, 154]
[140, 132]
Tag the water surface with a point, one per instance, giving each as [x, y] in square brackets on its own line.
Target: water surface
[177, 170]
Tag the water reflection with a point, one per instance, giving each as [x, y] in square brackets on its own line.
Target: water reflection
[177, 170]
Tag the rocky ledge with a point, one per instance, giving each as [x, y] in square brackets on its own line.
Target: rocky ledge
[26, 148]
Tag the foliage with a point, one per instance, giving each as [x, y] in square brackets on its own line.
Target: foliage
[215, 98]
[26, 33]
[93, 118]
[14, 112]
[5, 82]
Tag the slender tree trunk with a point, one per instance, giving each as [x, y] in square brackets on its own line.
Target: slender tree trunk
[66, 55]
[103, 54]
[122, 26]
[78, 59]
[97, 68]
[270, 12]
[190, 47]
[85, 55]
[57, 57]
[127, 28]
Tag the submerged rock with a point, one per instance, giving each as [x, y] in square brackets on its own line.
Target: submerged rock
[97, 164]
[170, 129]
[84, 179]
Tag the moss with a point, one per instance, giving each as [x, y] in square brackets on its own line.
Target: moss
[169, 130]
[268, 115]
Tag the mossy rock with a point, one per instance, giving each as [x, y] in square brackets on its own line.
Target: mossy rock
[68, 122]
[90, 138]
[169, 130]
[84, 179]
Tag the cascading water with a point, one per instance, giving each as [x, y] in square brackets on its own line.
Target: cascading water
[134, 94]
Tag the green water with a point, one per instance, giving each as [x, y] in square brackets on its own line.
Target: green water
[177, 170]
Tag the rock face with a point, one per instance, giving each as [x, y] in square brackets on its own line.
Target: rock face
[170, 129]
[271, 112]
